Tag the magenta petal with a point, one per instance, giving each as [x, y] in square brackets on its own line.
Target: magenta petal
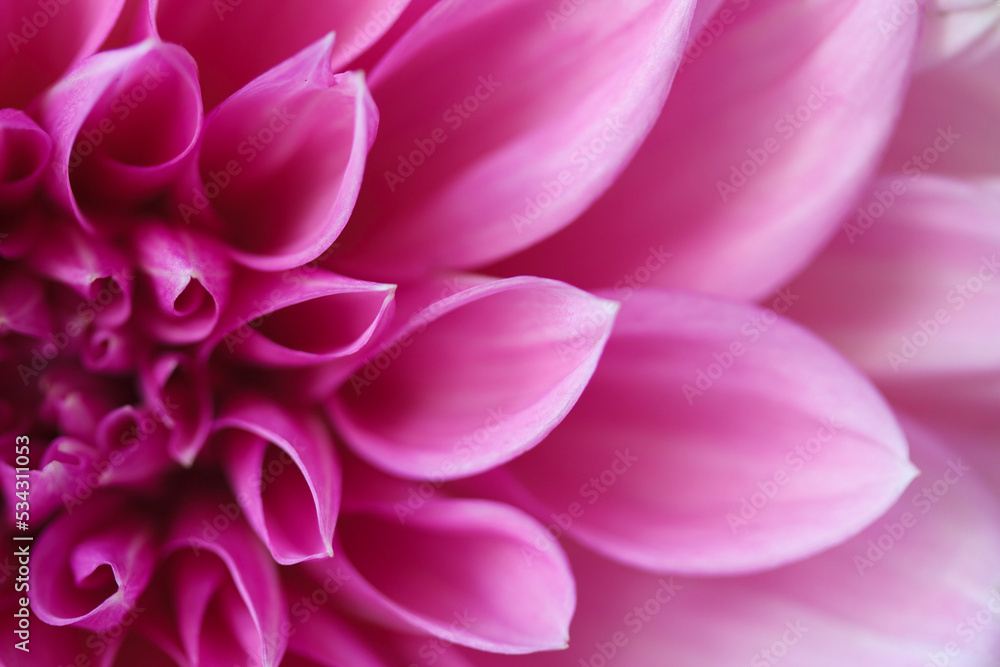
[98, 561]
[188, 277]
[290, 146]
[177, 389]
[277, 32]
[125, 123]
[878, 599]
[477, 376]
[737, 171]
[300, 317]
[24, 154]
[98, 272]
[284, 472]
[239, 594]
[911, 289]
[133, 445]
[710, 438]
[450, 588]
[42, 40]
[504, 122]
[23, 308]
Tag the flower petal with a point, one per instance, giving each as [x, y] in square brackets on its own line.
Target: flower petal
[878, 599]
[478, 375]
[98, 561]
[24, 154]
[230, 609]
[177, 389]
[912, 287]
[710, 439]
[299, 317]
[290, 146]
[522, 113]
[450, 588]
[277, 33]
[283, 470]
[736, 178]
[187, 279]
[44, 39]
[125, 124]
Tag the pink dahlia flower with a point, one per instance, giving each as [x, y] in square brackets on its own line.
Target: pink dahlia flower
[398, 333]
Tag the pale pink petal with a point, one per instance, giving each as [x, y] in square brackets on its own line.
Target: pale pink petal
[187, 281]
[24, 154]
[711, 440]
[283, 470]
[97, 561]
[497, 110]
[450, 587]
[277, 32]
[477, 376]
[736, 180]
[918, 587]
[962, 29]
[911, 288]
[299, 317]
[947, 125]
[125, 124]
[290, 146]
[42, 39]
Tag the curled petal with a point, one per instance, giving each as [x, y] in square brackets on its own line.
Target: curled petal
[229, 605]
[98, 561]
[290, 146]
[44, 39]
[283, 469]
[477, 376]
[504, 122]
[177, 389]
[133, 445]
[450, 588]
[299, 317]
[915, 290]
[95, 270]
[710, 438]
[24, 154]
[277, 32]
[125, 123]
[188, 278]
[737, 171]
